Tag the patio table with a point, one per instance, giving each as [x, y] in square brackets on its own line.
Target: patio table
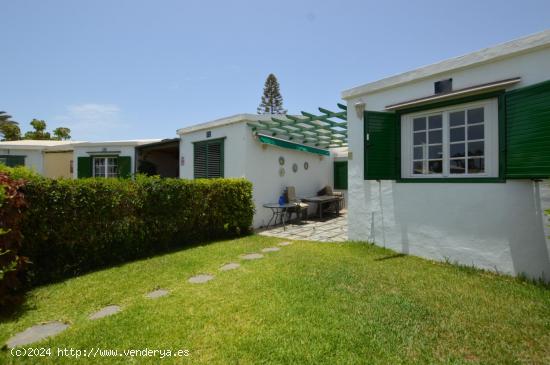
[324, 199]
[278, 211]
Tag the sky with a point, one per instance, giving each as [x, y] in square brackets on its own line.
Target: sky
[127, 69]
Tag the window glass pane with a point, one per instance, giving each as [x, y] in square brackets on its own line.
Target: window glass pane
[476, 165]
[435, 167]
[417, 167]
[99, 167]
[458, 150]
[476, 148]
[419, 124]
[419, 138]
[435, 152]
[435, 121]
[458, 166]
[457, 134]
[475, 115]
[418, 153]
[456, 118]
[435, 136]
[476, 132]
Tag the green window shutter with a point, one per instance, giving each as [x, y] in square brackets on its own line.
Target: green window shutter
[199, 161]
[208, 159]
[340, 175]
[84, 168]
[381, 146]
[528, 132]
[124, 166]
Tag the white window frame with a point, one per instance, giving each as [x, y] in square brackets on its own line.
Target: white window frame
[491, 139]
[106, 161]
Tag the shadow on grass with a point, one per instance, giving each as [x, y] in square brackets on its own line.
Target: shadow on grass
[389, 257]
[10, 313]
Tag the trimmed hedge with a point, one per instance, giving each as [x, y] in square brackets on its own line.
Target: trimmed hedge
[74, 226]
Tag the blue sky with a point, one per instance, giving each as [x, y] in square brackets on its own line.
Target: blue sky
[141, 69]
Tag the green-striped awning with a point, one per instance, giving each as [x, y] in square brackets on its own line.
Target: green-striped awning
[309, 132]
[291, 145]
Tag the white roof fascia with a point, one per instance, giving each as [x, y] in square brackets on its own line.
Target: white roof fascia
[512, 48]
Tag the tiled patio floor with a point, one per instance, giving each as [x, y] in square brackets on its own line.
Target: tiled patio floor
[332, 229]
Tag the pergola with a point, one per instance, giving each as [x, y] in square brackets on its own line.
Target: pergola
[309, 132]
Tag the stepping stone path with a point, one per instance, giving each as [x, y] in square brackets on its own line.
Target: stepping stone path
[42, 331]
[199, 279]
[271, 249]
[157, 293]
[36, 333]
[105, 312]
[252, 256]
[230, 266]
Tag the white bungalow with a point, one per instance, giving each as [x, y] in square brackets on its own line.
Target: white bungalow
[273, 152]
[49, 158]
[448, 159]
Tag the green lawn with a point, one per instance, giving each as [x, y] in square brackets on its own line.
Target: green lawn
[308, 303]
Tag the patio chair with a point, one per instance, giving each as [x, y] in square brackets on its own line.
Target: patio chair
[327, 191]
[301, 208]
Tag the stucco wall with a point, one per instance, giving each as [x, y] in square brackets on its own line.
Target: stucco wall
[262, 168]
[58, 164]
[245, 157]
[83, 151]
[494, 226]
[33, 158]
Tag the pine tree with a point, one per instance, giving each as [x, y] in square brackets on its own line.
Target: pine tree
[272, 101]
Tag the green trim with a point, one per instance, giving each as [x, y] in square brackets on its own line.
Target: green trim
[291, 145]
[468, 99]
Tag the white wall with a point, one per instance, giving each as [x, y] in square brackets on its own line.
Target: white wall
[83, 151]
[234, 149]
[245, 157]
[262, 168]
[497, 226]
[33, 158]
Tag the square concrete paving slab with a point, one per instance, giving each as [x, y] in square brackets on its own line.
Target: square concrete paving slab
[331, 229]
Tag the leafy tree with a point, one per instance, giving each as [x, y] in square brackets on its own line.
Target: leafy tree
[62, 133]
[10, 132]
[39, 130]
[6, 119]
[8, 127]
[272, 101]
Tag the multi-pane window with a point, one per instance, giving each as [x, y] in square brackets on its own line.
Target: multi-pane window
[461, 141]
[105, 167]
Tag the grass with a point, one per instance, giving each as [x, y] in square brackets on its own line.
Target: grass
[309, 303]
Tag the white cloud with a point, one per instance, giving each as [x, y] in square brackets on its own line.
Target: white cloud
[90, 121]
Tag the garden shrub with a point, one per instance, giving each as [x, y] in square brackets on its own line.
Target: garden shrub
[74, 226]
[12, 263]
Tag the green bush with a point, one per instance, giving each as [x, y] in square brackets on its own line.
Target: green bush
[74, 226]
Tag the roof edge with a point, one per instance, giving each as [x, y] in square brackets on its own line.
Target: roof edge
[504, 50]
